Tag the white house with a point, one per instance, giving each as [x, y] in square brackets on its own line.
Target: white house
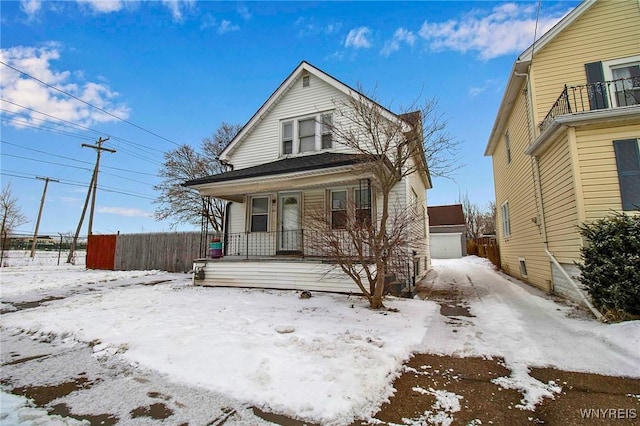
[287, 164]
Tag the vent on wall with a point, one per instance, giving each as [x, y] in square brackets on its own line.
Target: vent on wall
[306, 80]
[523, 267]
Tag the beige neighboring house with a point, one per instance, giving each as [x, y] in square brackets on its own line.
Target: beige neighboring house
[285, 165]
[564, 144]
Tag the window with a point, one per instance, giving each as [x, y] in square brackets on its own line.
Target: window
[413, 201]
[338, 209]
[506, 221]
[259, 214]
[523, 267]
[507, 145]
[325, 131]
[306, 80]
[307, 134]
[287, 137]
[624, 73]
[628, 161]
[363, 206]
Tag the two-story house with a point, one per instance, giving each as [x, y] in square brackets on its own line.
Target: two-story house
[287, 166]
[565, 142]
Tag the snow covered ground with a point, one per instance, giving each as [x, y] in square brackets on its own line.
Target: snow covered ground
[328, 359]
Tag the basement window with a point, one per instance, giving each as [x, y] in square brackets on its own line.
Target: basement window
[523, 267]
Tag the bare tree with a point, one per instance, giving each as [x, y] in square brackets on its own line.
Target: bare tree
[12, 217]
[390, 148]
[184, 163]
[478, 222]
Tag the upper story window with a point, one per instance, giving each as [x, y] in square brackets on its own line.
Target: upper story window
[507, 146]
[613, 83]
[307, 134]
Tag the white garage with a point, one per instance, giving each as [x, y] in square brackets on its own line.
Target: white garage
[446, 245]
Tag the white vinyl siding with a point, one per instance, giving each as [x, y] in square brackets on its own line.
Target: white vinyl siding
[263, 144]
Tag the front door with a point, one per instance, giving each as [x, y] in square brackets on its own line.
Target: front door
[289, 222]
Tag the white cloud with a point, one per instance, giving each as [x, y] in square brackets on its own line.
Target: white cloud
[22, 90]
[507, 29]
[308, 27]
[103, 6]
[358, 38]
[31, 7]
[177, 7]
[243, 11]
[400, 36]
[226, 27]
[124, 211]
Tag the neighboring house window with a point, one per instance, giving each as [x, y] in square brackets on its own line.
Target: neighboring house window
[507, 145]
[363, 206]
[307, 134]
[523, 267]
[287, 137]
[338, 209]
[506, 221]
[259, 214]
[326, 133]
[628, 162]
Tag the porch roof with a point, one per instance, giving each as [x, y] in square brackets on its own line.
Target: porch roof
[294, 173]
[302, 163]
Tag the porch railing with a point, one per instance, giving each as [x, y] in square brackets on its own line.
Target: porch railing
[297, 243]
[594, 96]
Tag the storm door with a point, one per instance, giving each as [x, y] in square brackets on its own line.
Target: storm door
[289, 229]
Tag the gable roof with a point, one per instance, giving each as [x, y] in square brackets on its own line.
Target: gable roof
[324, 160]
[446, 215]
[520, 70]
[303, 67]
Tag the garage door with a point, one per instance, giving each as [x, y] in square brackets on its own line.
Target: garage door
[446, 246]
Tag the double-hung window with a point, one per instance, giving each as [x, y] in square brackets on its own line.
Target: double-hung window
[339, 209]
[307, 134]
[259, 214]
[507, 146]
[506, 221]
[363, 206]
[287, 137]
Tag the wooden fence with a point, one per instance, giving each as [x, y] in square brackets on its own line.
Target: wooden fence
[172, 252]
[486, 247]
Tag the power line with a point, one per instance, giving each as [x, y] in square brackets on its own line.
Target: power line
[71, 159]
[154, 150]
[88, 104]
[13, 173]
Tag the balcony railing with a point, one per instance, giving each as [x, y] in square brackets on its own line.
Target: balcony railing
[594, 96]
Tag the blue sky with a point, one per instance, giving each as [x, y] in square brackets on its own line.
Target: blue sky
[172, 71]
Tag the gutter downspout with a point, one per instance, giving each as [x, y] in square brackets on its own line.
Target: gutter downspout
[543, 223]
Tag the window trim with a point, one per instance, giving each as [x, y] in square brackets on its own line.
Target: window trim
[523, 267]
[332, 209]
[251, 214]
[282, 136]
[506, 220]
[607, 72]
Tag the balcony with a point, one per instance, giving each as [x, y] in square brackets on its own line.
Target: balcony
[594, 96]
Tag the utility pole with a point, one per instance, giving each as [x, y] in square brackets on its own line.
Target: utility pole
[44, 194]
[92, 188]
[98, 147]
